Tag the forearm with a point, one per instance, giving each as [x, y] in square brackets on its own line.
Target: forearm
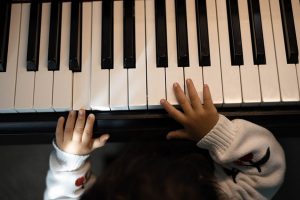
[251, 160]
[68, 176]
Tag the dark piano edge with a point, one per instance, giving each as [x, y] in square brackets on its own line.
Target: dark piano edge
[150, 125]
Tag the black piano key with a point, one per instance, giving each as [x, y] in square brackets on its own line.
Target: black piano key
[289, 32]
[75, 36]
[181, 34]
[202, 31]
[161, 34]
[129, 34]
[257, 37]
[107, 45]
[34, 36]
[5, 9]
[234, 31]
[54, 35]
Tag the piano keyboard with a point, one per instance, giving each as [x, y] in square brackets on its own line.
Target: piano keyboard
[125, 55]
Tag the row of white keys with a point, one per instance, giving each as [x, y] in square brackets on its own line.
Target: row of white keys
[268, 73]
[296, 12]
[81, 80]
[63, 78]
[25, 80]
[8, 79]
[156, 88]
[174, 73]
[194, 71]
[118, 88]
[43, 83]
[249, 71]
[137, 76]
[118, 75]
[287, 72]
[212, 74]
[230, 74]
[99, 77]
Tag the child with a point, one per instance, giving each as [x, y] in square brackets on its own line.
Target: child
[248, 162]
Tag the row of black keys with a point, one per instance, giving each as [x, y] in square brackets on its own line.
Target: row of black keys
[161, 34]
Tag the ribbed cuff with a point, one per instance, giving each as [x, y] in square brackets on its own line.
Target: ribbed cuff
[67, 161]
[220, 137]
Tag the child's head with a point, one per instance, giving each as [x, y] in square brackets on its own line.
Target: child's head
[170, 170]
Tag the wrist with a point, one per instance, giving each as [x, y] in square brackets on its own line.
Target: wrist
[220, 137]
[67, 161]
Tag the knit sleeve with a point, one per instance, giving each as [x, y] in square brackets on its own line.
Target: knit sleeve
[250, 163]
[68, 176]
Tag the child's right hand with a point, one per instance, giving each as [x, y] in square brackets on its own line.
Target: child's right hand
[196, 118]
[76, 136]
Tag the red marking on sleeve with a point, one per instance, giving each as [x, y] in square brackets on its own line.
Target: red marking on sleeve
[80, 181]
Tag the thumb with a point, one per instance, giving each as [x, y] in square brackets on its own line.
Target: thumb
[100, 141]
[178, 134]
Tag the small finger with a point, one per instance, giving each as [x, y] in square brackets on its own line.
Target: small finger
[88, 129]
[182, 99]
[172, 111]
[207, 99]
[70, 126]
[178, 134]
[59, 133]
[194, 97]
[100, 141]
[79, 126]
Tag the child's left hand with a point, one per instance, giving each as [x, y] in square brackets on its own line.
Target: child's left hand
[198, 119]
[76, 136]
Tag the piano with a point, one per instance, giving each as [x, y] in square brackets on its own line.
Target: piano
[118, 58]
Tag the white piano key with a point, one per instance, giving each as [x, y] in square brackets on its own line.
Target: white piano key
[137, 76]
[8, 78]
[268, 73]
[194, 71]
[25, 79]
[249, 71]
[287, 72]
[63, 79]
[156, 88]
[118, 75]
[296, 12]
[81, 80]
[230, 74]
[212, 75]
[43, 78]
[99, 77]
[174, 73]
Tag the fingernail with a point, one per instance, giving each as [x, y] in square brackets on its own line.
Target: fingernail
[91, 116]
[188, 80]
[162, 101]
[81, 112]
[106, 137]
[205, 85]
[71, 112]
[175, 85]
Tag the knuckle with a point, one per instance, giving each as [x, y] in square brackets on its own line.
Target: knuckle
[184, 103]
[181, 97]
[79, 129]
[172, 112]
[68, 130]
[88, 133]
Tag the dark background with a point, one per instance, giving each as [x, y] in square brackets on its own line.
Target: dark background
[23, 169]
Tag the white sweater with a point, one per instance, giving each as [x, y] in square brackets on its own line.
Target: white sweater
[249, 163]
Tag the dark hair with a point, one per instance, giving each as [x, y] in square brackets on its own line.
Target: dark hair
[160, 170]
